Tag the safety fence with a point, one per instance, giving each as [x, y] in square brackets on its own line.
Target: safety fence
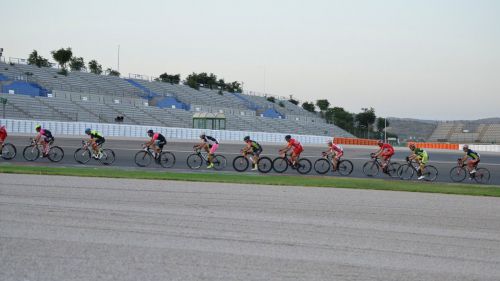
[136, 131]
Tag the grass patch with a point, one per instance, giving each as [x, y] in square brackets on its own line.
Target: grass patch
[312, 181]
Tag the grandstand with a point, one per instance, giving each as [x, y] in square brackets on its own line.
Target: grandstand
[480, 131]
[43, 94]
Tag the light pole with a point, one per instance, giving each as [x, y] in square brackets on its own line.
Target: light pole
[385, 129]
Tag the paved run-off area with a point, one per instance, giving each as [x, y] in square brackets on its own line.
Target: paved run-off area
[69, 228]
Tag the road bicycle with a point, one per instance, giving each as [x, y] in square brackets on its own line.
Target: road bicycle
[144, 157]
[281, 164]
[32, 151]
[83, 154]
[242, 162]
[459, 173]
[9, 151]
[406, 171]
[372, 167]
[199, 157]
[323, 165]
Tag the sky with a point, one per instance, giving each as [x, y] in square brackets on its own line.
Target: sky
[425, 59]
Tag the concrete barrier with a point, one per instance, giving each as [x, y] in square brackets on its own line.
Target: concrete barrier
[136, 131]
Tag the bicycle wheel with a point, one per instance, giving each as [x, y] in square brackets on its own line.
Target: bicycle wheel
[482, 176]
[322, 166]
[56, 154]
[371, 168]
[241, 163]
[392, 170]
[108, 157]
[143, 158]
[31, 153]
[82, 156]
[345, 167]
[430, 173]
[458, 174]
[405, 172]
[9, 151]
[194, 161]
[220, 162]
[265, 164]
[167, 159]
[280, 164]
[304, 166]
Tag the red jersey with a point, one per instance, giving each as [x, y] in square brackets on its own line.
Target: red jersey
[336, 148]
[387, 148]
[295, 144]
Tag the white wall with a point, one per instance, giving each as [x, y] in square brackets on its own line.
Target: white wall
[483, 147]
[134, 131]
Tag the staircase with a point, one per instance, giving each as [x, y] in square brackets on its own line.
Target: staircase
[482, 132]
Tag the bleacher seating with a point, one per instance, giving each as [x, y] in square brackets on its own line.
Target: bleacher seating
[82, 96]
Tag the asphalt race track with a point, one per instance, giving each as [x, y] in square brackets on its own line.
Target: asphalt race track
[70, 228]
[126, 149]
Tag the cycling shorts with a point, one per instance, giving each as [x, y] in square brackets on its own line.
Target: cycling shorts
[213, 148]
[387, 155]
[423, 158]
[337, 155]
[3, 136]
[99, 141]
[160, 143]
[48, 139]
[298, 150]
[257, 151]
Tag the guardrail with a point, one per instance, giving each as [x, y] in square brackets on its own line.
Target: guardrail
[136, 131]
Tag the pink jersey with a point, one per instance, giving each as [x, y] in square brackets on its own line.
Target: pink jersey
[336, 148]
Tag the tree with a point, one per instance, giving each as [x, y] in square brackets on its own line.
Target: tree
[172, 79]
[309, 106]
[112, 72]
[95, 67]
[340, 117]
[234, 87]
[76, 64]
[271, 99]
[365, 120]
[191, 81]
[62, 56]
[381, 124]
[35, 59]
[296, 102]
[323, 104]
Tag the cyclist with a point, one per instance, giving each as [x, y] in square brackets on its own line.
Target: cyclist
[336, 150]
[3, 136]
[157, 141]
[297, 149]
[252, 147]
[474, 159]
[44, 137]
[96, 140]
[421, 157]
[386, 151]
[210, 144]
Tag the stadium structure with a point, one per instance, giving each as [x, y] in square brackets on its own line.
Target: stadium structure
[41, 93]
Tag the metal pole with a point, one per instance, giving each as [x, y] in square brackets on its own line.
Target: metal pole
[385, 129]
[118, 58]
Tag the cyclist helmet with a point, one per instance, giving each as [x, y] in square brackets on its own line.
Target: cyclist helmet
[87, 131]
[380, 142]
[412, 146]
[202, 136]
[247, 138]
[150, 132]
[466, 146]
[330, 143]
[38, 127]
[288, 137]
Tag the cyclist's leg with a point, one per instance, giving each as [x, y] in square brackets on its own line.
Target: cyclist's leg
[256, 156]
[212, 151]
[45, 145]
[336, 159]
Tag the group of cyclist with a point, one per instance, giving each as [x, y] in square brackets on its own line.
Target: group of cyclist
[211, 144]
